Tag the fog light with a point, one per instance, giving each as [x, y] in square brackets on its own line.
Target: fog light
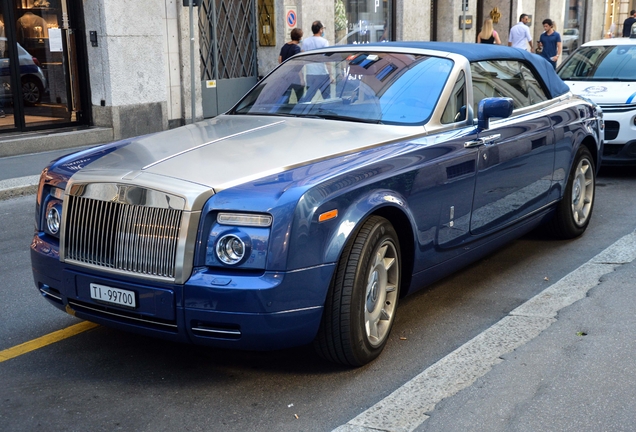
[53, 220]
[230, 249]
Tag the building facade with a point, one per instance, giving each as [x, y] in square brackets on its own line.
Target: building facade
[127, 65]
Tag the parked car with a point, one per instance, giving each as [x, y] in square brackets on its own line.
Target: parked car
[604, 71]
[569, 40]
[310, 208]
[34, 84]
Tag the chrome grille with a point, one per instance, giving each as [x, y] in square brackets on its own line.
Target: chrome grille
[117, 235]
[617, 108]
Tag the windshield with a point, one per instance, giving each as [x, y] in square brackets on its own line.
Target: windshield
[601, 63]
[387, 88]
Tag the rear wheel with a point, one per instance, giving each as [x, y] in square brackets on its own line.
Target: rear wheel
[362, 299]
[32, 90]
[575, 209]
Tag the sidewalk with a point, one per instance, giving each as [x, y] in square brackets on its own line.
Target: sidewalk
[578, 375]
[19, 175]
[23, 157]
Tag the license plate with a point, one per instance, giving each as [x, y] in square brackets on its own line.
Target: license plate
[112, 295]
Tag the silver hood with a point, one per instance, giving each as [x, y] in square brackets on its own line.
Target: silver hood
[230, 150]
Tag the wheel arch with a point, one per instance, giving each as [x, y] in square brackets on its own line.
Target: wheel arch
[590, 143]
[402, 225]
[389, 205]
[32, 77]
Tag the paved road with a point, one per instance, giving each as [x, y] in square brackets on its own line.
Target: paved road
[108, 380]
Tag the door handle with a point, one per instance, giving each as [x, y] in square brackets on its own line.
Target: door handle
[483, 141]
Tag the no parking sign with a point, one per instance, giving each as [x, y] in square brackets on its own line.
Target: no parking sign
[291, 21]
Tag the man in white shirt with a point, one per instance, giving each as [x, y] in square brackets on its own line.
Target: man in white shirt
[317, 76]
[317, 40]
[520, 36]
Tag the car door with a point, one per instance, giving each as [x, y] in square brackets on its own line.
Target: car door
[515, 164]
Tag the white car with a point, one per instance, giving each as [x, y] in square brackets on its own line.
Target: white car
[570, 40]
[604, 71]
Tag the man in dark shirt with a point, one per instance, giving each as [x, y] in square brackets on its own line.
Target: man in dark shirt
[627, 25]
[550, 43]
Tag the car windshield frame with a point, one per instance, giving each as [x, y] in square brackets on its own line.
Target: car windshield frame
[601, 63]
[352, 85]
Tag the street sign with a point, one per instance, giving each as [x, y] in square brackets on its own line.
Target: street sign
[291, 21]
[291, 18]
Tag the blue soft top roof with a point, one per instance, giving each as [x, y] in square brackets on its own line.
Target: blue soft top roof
[477, 52]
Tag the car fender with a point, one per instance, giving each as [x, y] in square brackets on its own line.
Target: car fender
[319, 241]
[377, 201]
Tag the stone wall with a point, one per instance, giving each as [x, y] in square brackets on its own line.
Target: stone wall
[140, 70]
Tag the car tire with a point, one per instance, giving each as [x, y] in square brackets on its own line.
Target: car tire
[32, 90]
[362, 298]
[574, 211]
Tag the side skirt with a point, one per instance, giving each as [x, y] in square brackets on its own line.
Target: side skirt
[478, 250]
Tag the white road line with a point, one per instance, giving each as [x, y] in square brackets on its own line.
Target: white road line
[404, 409]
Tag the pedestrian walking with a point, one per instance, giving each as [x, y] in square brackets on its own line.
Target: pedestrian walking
[550, 43]
[316, 74]
[520, 36]
[318, 39]
[488, 35]
[629, 22]
[292, 47]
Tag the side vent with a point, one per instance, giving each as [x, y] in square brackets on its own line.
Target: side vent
[460, 170]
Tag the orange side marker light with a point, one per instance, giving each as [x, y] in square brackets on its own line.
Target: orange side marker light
[331, 214]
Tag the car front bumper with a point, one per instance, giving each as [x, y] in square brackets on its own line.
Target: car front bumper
[620, 131]
[271, 310]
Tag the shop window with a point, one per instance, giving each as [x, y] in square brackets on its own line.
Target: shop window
[363, 21]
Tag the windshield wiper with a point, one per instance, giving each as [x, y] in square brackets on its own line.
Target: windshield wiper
[343, 118]
[274, 114]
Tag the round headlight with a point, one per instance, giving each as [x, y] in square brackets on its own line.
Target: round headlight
[53, 220]
[230, 249]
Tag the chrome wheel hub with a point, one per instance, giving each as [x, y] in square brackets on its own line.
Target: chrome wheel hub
[381, 293]
[582, 192]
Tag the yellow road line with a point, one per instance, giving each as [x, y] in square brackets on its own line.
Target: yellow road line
[45, 340]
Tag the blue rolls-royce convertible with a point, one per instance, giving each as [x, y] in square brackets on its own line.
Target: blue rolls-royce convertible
[345, 179]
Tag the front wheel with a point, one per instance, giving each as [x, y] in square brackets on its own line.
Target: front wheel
[575, 209]
[363, 295]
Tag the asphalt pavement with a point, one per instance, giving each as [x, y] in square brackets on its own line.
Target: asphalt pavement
[562, 361]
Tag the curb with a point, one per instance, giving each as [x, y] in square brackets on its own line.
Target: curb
[13, 188]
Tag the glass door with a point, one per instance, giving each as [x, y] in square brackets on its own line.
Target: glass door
[7, 120]
[37, 37]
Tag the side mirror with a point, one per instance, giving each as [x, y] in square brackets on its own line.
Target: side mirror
[461, 114]
[493, 107]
